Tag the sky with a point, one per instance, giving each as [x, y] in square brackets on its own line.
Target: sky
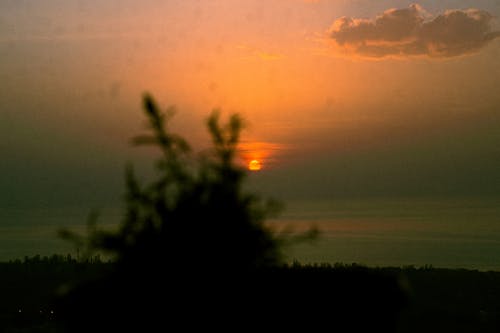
[342, 98]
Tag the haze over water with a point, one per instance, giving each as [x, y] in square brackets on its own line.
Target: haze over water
[451, 232]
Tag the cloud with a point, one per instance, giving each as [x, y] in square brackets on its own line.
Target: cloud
[413, 32]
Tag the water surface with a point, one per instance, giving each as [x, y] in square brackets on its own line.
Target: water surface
[451, 232]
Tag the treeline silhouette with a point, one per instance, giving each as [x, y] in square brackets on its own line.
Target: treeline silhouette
[438, 300]
[28, 289]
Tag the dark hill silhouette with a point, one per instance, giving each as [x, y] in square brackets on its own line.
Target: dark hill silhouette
[193, 253]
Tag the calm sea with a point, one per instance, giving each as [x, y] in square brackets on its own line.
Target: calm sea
[454, 233]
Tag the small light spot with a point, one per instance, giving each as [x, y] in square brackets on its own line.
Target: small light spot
[254, 165]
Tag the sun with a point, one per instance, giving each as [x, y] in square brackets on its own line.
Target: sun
[254, 165]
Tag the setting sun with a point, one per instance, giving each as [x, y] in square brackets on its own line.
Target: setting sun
[254, 165]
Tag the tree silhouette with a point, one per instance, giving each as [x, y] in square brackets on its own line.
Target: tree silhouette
[193, 253]
[195, 212]
[193, 232]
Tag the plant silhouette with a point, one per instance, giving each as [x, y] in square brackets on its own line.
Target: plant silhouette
[193, 233]
[193, 253]
[195, 212]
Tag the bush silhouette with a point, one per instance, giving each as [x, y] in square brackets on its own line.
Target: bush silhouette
[195, 212]
[193, 253]
[191, 233]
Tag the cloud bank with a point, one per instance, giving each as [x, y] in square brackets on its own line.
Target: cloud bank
[412, 32]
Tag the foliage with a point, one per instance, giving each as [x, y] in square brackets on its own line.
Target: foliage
[195, 211]
[190, 236]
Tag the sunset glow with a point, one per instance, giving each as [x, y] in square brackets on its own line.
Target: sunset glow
[256, 153]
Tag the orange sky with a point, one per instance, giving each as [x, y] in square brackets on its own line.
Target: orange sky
[73, 75]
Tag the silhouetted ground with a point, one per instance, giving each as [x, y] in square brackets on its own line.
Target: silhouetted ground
[314, 297]
[28, 289]
[452, 300]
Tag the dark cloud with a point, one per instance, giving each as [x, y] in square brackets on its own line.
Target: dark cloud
[410, 31]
